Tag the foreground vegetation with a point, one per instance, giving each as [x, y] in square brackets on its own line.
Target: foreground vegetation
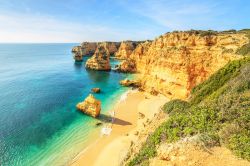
[218, 110]
[245, 50]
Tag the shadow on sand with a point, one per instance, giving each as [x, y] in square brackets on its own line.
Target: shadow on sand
[107, 119]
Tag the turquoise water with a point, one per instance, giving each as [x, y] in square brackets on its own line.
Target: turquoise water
[40, 85]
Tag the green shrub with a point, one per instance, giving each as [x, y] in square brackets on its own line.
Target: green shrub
[208, 33]
[217, 80]
[175, 106]
[240, 144]
[245, 50]
[229, 31]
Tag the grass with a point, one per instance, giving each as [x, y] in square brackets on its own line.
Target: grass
[219, 109]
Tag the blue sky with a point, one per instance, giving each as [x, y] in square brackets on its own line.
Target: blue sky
[114, 20]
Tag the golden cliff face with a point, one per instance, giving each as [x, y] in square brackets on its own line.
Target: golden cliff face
[175, 62]
[125, 50]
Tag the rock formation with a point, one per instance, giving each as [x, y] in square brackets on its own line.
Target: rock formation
[129, 83]
[175, 62]
[96, 90]
[86, 48]
[111, 47]
[100, 59]
[89, 48]
[126, 66]
[125, 50]
[90, 106]
[77, 53]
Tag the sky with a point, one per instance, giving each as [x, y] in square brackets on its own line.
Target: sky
[50, 21]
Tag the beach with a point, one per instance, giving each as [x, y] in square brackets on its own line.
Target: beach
[130, 116]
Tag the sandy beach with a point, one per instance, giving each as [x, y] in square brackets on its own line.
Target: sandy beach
[110, 150]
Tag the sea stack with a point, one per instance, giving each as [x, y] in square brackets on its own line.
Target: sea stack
[77, 53]
[100, 60]
[90, 106]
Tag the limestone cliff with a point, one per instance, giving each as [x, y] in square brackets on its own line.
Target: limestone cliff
[89, 48]
[100, 59]
[90, 106]
[126, 48]
[175, 62]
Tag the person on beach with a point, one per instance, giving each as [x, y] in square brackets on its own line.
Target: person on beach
[112, 113]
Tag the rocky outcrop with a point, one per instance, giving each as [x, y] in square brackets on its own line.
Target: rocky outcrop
[126, 66]
[96, 90]
[90, 106]
[130, 83]
[89, 48]
[126, 48]
[175, 62]
[100, 59]
[111, 47]
[86, 48]
[77, 53]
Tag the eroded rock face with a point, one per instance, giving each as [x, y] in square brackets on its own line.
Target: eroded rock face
[77, 53]
[126, 66]
[90, 106]
[100, 59]
[89, 48]
[86, 48]
[111, 47]
[125, 50]
[175, 62]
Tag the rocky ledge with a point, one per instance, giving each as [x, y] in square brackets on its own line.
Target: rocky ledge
[90, 106]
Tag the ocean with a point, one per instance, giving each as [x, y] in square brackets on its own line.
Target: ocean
[40, 85]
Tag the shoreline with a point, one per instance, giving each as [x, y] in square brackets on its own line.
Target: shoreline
[112, 149]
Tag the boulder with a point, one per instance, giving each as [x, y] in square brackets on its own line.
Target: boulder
[130, 83]
[90, 106]
[96, 90]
